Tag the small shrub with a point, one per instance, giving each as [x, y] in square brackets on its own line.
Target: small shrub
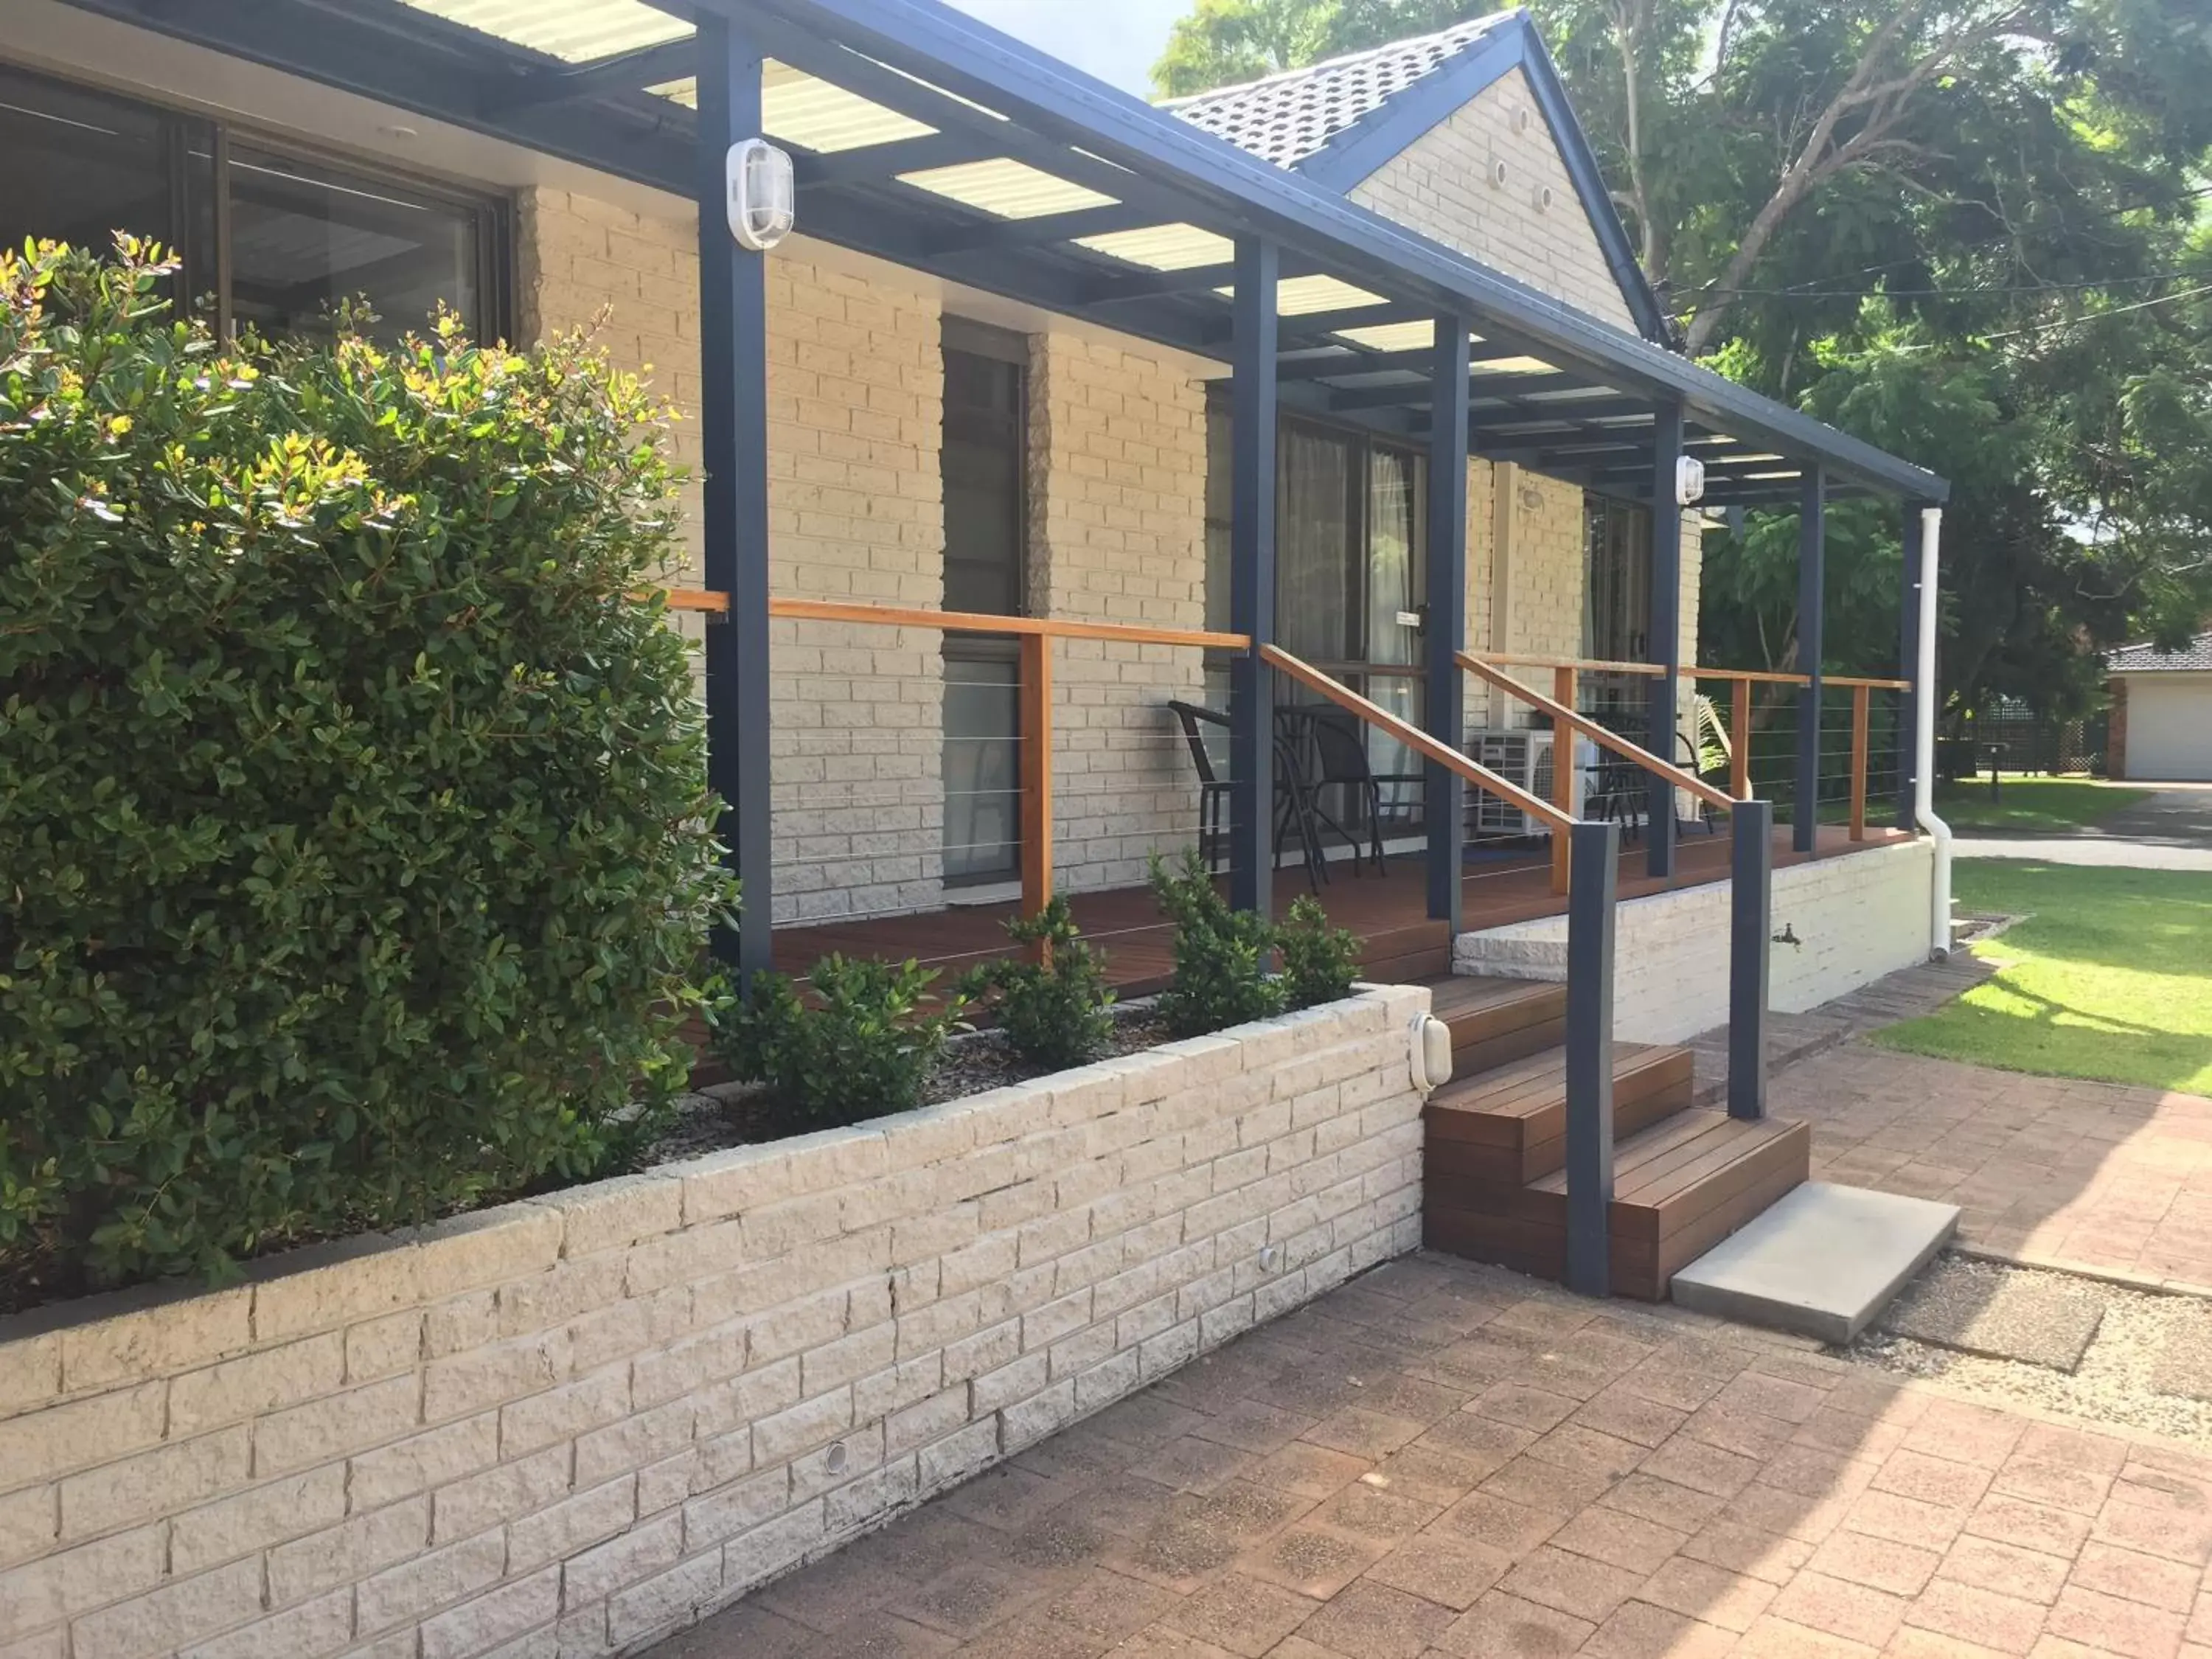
[355, 855]
[1319, 962]
[1054, 1012]
[860, 1046]
[1221, 976]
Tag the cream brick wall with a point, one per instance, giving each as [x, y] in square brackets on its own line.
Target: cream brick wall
[576, 1423]
[855, 512]
[1118, 498]
[1440, 186]
[1856, 918]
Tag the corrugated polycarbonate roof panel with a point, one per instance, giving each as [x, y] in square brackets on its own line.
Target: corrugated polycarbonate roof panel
[1008, 188]
[575, 30]
[1164, 247]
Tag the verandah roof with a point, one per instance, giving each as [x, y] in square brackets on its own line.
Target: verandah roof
[929, 140]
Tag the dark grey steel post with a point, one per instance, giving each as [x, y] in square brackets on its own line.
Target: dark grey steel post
[1665, 645]
[1751, 933]
[733, 447]
[1252, 576]
[1442, 798]
[1594, 864]
[1812, 610]
[1908, 665]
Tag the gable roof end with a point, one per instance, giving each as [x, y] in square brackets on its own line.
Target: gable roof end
[2196, 656]
[1335, 122]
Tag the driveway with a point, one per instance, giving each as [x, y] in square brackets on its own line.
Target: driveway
[1440, 1460]
[2172, 830]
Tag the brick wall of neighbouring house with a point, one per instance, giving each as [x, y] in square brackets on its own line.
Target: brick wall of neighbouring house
[1117, 505]
[1440, 186]
[856, 507]
[575, 1423]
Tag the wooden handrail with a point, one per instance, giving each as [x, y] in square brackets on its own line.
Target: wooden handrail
[1416, 739]
[1770, 677]
[1563, 715]
[1580, 665]
[972, 622]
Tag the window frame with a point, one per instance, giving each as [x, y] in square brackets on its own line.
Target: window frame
[492, 209]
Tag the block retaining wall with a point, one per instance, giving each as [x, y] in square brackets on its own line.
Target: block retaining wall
[1856, 918]
[573, 1425]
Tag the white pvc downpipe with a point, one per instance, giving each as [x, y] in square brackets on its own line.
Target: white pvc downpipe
[1923, 740]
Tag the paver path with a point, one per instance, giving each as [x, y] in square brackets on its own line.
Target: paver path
[1445, 1461]
[2106, 1175]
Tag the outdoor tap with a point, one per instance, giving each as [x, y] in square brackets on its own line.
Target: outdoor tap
[1789, 935]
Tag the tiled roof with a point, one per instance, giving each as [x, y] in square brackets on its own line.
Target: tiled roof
[2150, 659]
[1286, 118]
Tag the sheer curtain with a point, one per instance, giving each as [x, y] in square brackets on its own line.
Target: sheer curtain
[1316, 613]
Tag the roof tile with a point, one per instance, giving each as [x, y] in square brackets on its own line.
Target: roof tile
[1289, 117]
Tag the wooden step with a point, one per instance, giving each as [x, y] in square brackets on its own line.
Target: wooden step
[1413, 953]
[1508, 1126]
[1680, 1187]
[1496, 1020]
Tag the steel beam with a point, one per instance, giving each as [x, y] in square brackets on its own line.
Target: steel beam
[1665, 645]
[1751, 928]
[1252, 577]
[1445, 634]
[1812, 612]
[733, 447]
[1593, 885]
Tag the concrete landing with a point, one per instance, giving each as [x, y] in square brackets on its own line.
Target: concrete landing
[1824, 1260]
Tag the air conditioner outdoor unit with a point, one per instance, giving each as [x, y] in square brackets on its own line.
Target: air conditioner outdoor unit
[1520, 756]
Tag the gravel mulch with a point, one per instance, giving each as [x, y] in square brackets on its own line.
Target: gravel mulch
[2118, 1380]
[728, 1115]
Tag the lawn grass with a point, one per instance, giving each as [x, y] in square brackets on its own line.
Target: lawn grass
[2052, 804]
[2109, 976]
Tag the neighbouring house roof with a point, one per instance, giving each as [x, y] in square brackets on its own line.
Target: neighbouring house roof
[2196, 656]
[1336, 122]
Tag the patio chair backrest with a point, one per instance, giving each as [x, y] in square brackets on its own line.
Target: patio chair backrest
[1340, 745]
[1189, 714]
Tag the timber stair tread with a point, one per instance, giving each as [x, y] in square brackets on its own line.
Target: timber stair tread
[1494, 1186]
[1510, 1123]
[1495, 1020]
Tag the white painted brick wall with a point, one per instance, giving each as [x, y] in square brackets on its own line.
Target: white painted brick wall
[1857, 918]
[577, 1423]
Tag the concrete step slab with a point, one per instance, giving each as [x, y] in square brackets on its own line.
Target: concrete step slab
[1823, 1261]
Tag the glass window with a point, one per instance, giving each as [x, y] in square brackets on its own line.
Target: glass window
[269, 237]
[984, 452]
[1617, 613]
[306, 237]
[80, 166]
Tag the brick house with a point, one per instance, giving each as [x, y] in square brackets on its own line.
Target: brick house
[1330, 414]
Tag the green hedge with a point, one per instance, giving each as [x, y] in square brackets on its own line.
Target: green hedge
[354, 858]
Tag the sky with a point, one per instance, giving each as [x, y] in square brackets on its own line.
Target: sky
[1117, 40]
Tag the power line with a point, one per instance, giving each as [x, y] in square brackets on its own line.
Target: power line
[1804, 293]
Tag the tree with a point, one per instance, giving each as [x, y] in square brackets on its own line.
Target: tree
[1966, 229]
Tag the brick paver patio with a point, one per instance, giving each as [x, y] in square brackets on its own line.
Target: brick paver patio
[2102, 1175]
[1445, 1461]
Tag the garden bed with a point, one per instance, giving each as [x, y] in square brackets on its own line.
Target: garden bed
[603, 1411]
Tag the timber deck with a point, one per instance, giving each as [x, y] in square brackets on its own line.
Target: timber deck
[1389, 913]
